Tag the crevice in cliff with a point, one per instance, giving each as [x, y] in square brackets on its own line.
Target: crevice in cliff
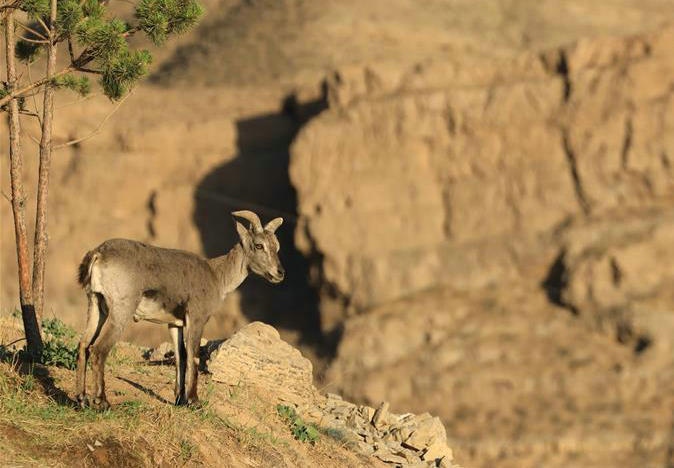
[152, 215]
[563, 71]
[627, 143]
[556, 281]
[573, 170]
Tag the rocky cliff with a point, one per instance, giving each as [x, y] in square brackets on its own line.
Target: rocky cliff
[477, 195]
[469, 173]
[449, 207]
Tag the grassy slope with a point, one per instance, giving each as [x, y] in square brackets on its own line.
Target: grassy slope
[236, 427]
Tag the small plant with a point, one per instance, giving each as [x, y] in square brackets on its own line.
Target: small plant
[187, 450]
[60, 346]
[300, 430]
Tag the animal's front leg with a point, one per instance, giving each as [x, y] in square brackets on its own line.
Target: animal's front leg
[180, 358]
[194, 329]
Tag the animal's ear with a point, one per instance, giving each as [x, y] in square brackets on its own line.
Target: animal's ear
[273, 225]
[244, 234]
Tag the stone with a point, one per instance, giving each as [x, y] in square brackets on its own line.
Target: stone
[437, 450]
[257, 356]
[427, 432]
[366, 412]
[161, 352]
[380, 417]
[388, 457]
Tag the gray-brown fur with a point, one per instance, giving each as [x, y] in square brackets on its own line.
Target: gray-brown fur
[126, 281]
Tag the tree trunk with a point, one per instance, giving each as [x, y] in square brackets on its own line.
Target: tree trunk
[30, 323]
[40, 242]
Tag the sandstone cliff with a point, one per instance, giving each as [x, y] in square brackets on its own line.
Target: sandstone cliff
[478, 203]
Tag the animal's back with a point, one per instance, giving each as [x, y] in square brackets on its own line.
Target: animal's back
[142, 267]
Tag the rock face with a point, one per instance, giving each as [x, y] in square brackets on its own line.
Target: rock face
[455, 173]
[617, 274]
[508, 374]
[449, 208]
[257, 357]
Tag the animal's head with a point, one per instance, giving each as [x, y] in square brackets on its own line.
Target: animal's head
[261, 246]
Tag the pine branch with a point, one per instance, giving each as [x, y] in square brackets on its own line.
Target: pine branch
[31, 30]
[31, 86]
[89, 70]
[97, 130]
[44, 25]
[32, 41]
[31, 114]
[71, 52]
[30, 79]
[10, 6]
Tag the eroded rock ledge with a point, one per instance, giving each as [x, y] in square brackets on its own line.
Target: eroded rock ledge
[257, 357]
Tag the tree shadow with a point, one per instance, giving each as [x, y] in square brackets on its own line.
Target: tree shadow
[42, 376]
[257, 179]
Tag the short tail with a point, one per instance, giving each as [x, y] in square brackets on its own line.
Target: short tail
[84, 273]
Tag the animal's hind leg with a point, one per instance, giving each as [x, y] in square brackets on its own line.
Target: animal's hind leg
[119, 316]
[96, 315]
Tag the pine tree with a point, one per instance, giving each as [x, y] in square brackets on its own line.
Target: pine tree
[96, 45]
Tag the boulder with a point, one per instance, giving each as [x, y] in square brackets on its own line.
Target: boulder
[257, 356]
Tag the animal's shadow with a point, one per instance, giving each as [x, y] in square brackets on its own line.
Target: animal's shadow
[257, 179]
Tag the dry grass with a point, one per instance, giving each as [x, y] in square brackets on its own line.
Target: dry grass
[236, 426]
[41, 430]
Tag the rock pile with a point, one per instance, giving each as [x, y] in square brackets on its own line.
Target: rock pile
[257, 357]
[401, 440]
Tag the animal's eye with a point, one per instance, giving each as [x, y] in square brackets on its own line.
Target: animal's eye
[258, 246]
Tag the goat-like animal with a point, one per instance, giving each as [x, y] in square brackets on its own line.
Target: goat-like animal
[127, 280]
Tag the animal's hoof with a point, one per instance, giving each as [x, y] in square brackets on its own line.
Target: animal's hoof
[101, 404]
[181, 400]
[83, 401]
[194, 403]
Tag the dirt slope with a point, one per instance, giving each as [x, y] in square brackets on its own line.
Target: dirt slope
[291, 41]
[238, 425]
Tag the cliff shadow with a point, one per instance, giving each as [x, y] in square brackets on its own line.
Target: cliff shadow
[257, 179]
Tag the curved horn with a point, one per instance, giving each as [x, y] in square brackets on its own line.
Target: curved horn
[250, 216]
[273, 225]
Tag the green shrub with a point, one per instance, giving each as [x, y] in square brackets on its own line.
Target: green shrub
[60, 344]
[300, 430]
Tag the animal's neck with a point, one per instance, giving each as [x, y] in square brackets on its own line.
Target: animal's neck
[231, 269]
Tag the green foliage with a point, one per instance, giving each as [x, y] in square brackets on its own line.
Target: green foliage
[69, 15]
[60, 345]
[187, 450]
[160, 18]
[120, 74]
[27, 51]
[92, 9]
[300, 430]
[80, 85]
[22, 105]
[36, 8]
[103, 40]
